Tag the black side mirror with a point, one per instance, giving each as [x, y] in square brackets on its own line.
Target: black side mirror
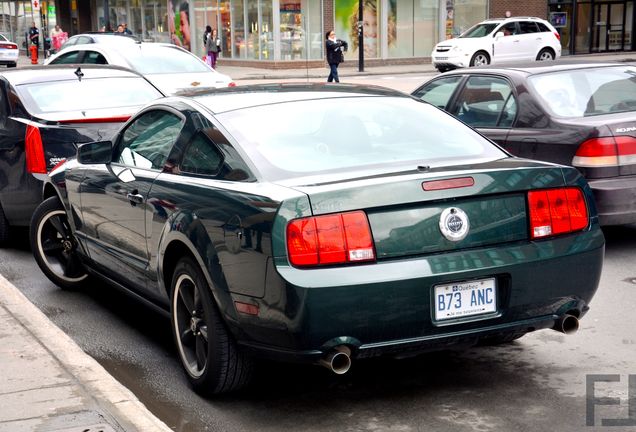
[98, 152]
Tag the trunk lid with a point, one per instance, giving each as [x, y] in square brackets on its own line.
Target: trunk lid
[405, 219]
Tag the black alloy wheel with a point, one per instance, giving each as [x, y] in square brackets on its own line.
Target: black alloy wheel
[209, 355]
[54, 246]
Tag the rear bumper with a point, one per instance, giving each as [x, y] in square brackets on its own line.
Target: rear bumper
[386, 308]
[615, 200]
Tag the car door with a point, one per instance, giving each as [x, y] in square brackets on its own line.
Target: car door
[530, 40]
[488, 103]
[506, 47]
[114, 196]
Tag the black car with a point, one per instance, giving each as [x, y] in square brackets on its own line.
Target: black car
[45, 112]
[323, 224]
[573, 113]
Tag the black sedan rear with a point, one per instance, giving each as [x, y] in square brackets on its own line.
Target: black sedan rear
[45, 113]
[579, 114]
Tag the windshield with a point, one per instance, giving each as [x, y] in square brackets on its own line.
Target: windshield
[148, 59]
[479, 30]
[587, 92]
[352, 134]
[87, 94]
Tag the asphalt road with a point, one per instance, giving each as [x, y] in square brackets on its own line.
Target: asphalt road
[535, 384]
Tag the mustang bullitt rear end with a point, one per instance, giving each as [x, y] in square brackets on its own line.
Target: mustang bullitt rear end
[430, 261]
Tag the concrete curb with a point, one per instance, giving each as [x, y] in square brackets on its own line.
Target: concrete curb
[110, 395]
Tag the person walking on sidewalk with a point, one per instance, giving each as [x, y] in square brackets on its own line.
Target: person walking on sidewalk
[213, 47]
[335, 55]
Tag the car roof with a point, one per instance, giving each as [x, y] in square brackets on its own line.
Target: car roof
[234, 98]
[536, 67]
[514, 18]
[103, 35]
[38, 74]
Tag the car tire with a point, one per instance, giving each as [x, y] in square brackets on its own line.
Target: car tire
[442, 69]
[545, 54]
[480, 58]
[208, 353]
[500, 339]
[54, 245]
[4, 229]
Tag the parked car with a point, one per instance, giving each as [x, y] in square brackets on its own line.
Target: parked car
[9, 52]
[572, 113]
[169, 67]
[99, 37]
[499, 41]
[45, 113]
[371, 223]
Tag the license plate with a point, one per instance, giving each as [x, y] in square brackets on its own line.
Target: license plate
[441, 58]
[463, 299]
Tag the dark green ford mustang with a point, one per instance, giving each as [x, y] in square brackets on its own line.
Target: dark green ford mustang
[323, 224]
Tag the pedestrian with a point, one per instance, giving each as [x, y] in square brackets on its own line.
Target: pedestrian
[58, 37]
[120, 29]
[213, 47]
[335, 54]
[126, 30]
[34, 35]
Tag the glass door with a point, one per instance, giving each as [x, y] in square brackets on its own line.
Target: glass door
[608, 28]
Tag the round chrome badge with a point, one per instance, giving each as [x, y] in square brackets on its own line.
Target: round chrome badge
[453, 223]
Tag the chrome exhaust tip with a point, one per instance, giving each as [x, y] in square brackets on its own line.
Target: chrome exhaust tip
[568, 324]
[338, 360]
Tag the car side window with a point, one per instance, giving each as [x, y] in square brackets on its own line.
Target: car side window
[201, 156]
[439, 91]
[509, 29]
[68, 58]
[84, 40]
[93, 57]
[147, 141]
[486, 102]
[528, 27]
[543, 28]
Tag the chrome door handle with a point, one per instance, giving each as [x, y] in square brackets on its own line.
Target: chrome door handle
[135, 198]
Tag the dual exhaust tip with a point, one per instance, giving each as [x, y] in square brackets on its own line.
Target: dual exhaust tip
[568, 324]
[338, 360]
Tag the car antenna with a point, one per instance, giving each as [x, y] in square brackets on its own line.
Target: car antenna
[79, 73]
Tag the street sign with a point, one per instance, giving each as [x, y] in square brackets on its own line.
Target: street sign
[35, 4]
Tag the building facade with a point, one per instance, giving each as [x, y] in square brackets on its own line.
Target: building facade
[291, 33]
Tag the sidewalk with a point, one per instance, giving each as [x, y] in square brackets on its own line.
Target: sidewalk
[49, 384]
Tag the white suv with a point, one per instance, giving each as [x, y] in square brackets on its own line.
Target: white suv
[499, 41]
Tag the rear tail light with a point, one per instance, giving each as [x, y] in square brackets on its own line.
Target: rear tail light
[606, 152]
[231, 84]
[330, 239]
[35, 161]
[8, 46]
[557, 35]
[556, 211]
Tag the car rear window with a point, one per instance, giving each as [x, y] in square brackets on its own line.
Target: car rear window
[94, 93]
[163, 60]
[587, 92]
[308, 138]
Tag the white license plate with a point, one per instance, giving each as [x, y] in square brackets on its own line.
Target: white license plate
[441, 58]
[462, 299]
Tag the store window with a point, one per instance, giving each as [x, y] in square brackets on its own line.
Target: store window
[467, 13]
[412, 28]
[300, 29]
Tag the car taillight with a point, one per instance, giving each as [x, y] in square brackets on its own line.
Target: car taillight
[35, 162]
[605, 152]
[558, 36]
[231, 84]
[556, 211]
[330, 239]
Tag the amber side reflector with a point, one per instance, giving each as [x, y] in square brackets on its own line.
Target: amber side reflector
[448, 184]
[246, 308]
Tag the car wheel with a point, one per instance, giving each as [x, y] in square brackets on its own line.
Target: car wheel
[545, 55]
[4, 228]
[208, 353]
[54, 246]
[480, 58]
[500, 339]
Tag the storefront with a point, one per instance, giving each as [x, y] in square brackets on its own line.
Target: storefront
[16, 18]
[594, 26]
